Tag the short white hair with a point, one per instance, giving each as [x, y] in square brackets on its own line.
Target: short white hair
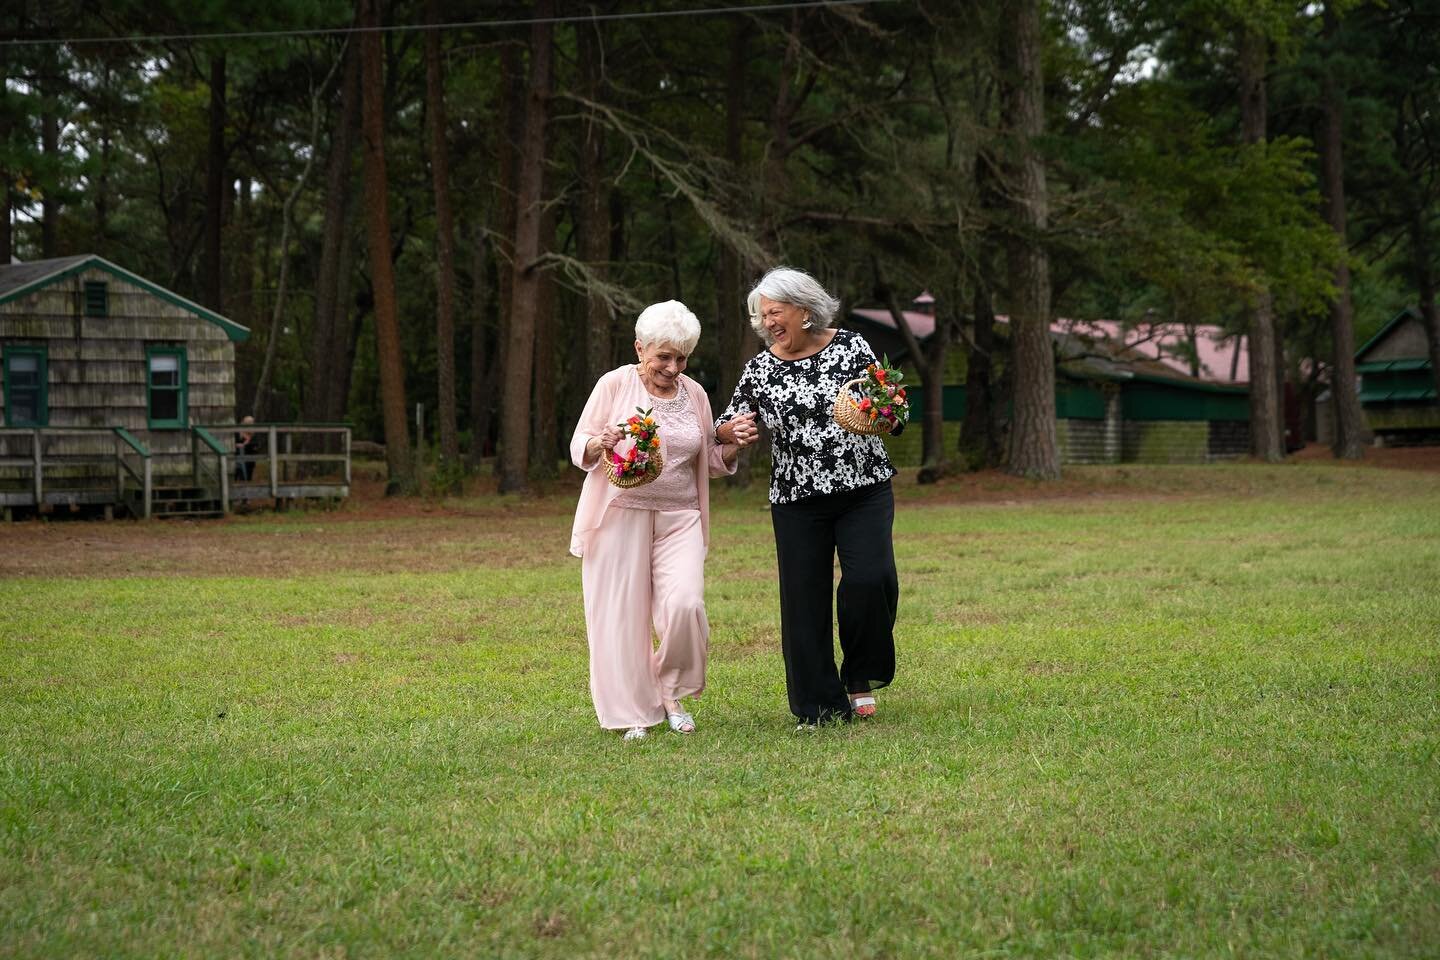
[795, 287]
[669, 322]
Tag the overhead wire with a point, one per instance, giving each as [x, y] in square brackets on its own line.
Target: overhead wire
[468, 25]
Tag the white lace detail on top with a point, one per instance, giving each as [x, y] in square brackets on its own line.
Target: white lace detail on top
[680, 440]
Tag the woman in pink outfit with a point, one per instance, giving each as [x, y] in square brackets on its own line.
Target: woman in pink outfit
[643, 548]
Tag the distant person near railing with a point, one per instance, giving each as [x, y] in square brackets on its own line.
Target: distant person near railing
[246, 444]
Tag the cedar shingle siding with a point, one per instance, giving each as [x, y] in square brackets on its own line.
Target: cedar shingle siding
[96, 325]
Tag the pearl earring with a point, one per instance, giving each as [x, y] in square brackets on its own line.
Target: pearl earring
[807, 324]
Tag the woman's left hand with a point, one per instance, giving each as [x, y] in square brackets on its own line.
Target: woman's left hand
[742, 430]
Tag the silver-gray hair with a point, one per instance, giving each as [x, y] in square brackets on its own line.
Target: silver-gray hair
[795, 287]
[669, 322]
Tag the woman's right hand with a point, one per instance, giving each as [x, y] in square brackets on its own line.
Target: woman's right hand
[610, 437]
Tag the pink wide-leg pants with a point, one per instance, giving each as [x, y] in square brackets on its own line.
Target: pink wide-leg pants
[643, 567]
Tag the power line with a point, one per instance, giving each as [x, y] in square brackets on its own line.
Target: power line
[470, 25]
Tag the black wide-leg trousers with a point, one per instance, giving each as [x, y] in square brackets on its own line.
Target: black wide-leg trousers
[809, 533]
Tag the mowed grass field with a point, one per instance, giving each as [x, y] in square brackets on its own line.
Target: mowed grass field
[1150, 712]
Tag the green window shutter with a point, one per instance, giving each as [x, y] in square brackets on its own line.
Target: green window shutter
[97, 298]
[27, 388]
[167, 387]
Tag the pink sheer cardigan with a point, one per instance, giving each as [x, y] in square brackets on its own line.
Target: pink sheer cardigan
[615, 397]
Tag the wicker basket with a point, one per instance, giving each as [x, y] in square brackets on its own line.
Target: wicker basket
[850, 417]
[653, 466]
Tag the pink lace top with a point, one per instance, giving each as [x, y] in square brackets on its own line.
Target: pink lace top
[680, 440]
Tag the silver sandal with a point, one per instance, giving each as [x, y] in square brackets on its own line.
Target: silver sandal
[679, 720]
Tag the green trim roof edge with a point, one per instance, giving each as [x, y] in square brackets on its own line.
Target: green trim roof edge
[1193, 384]
[233, 330]
[1403, 365]
[1379, 334]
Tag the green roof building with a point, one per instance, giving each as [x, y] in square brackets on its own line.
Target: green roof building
[1397, 387]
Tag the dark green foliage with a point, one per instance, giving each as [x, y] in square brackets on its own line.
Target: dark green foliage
[868, 149]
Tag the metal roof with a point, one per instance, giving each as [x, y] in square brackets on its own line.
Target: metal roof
[1382, 394]
[1394, 366]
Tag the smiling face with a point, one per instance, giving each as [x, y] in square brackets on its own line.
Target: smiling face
[660, 365]
[784, 323]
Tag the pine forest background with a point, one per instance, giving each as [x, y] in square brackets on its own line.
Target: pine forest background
[470, 217]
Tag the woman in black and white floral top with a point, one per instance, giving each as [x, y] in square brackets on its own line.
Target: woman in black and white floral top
[829, 493]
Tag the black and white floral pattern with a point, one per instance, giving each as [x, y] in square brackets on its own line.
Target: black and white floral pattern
[810, 453]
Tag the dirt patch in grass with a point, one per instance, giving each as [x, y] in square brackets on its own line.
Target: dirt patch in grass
[372, 533]
[1389, 458]
[254, 546]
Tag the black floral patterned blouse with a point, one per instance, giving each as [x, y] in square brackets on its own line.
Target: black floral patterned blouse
[810, 453]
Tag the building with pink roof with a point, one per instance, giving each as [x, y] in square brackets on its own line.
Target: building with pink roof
[1159, 392]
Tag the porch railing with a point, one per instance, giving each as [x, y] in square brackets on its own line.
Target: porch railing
[125, 446]
[297, 460]
[109, 466]
[55, 465]
[210, 465]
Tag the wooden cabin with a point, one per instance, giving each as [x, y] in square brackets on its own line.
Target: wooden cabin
[1397, 387]
[1115, 402]
[120, 393]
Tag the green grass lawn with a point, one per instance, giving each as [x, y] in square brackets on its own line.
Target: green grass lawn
[1175, 712]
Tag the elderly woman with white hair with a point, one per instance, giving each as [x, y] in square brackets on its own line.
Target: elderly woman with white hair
[829, 494]
[643, 548]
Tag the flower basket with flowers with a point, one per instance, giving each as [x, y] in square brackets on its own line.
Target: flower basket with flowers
[635, 460]
[881, 405]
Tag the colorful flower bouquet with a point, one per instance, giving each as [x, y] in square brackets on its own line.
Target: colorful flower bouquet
[636, 459]
[881, 406]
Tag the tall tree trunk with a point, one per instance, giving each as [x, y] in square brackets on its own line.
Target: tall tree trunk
[930, 362]
[382, 270]
[512, 129]
[481, 375]
[782, 112]
[332, 323]
[444, 239]
[544, 448]
[50, 148]
[215, 188]
[7, 176]
[735, 331]
[1345, 398]
[594, 225]
[979, 447]
[737, 341]
[1265, 415]
[1425, 286]
[525, 288]
[101, 194]
[242, 304]
[1034, 451]
[1418, 229]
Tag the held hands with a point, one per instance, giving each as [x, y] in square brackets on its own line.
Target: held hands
[741, 431]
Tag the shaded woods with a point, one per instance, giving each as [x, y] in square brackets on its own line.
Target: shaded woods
[469, 217]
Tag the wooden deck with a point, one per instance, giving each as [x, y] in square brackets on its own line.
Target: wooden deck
[48, 467]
